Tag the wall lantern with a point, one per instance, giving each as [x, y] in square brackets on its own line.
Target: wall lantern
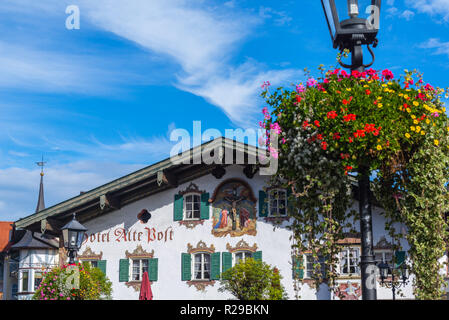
[73, 235]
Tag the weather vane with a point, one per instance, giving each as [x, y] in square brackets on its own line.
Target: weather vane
[41, 164]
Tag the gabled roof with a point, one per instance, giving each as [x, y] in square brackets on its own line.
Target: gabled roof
[32, 240]
[136, 185]
[5, 229]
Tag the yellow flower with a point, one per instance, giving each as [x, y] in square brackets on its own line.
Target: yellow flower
[427, 121]
[436, 142]
[390, 83]
[418, 129]
[412, 128]
[408, 110]
[384, 85]
[423, 133]
[348, 89]
[406, 96]
[447, 128]
[380, 105]
[379, 98]
[366, 86]
[415, 103]
[407, 135]
[413, 116]
[379, 147]
[401, 94]
[415, 121]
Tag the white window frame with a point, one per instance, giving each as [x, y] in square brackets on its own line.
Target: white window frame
[350, 249]
[246, 254]
[278, 200]
[202, 266]
[34, 278]
[141, 268]
[21, 280]
[306, 269]
[193, 202]
[383, 252]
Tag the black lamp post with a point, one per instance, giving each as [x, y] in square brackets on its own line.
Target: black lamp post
[73, 235]
[385, 269]
[352, 33]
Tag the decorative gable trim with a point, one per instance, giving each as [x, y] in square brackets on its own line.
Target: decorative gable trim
[88, 254]
[139, 253]
[200, 247]
[241, 246]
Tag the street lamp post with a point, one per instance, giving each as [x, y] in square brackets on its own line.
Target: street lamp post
[73, 235]
[351, 34]
[385, 269]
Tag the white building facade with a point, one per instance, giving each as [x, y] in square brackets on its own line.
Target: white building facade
[186, 224]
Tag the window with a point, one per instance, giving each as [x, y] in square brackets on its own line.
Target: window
[25, 277]
[385, 256]
[192, 205]
[139, 267]
[37, 279]
[242, 256]
[309, 265]
[277, 202]
[349, 261]
[201, 267]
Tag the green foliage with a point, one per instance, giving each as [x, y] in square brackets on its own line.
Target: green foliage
[364, 123]
[253, 280]
[74, 282]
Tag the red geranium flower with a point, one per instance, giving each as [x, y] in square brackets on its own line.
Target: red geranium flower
[331, 114]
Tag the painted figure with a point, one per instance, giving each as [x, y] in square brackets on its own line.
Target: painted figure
[223, 220]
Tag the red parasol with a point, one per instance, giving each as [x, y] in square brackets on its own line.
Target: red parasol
[145, 288]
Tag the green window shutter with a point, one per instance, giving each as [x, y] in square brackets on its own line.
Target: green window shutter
[204, 206]
[124, 270]
[215, 266]
[152, 269]
[298, 267]
[257, 256]
[227, 261]
[399, 258]
[178, 207]
[263, 205]
[186, 266]
[101, 264]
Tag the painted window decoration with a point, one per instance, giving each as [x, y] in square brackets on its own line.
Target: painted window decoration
[234, 209]
[200, 265]
[135, 265]
[191, 206]
[350, 261]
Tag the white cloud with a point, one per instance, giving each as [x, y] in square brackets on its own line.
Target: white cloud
[200, 40]
[19, 187]
[434, 43]
[407, 15]
[432, 7]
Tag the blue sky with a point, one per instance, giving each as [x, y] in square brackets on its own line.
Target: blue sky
[101, 101]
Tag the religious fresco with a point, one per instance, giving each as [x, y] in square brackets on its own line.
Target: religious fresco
[349, 291]
[234, 209]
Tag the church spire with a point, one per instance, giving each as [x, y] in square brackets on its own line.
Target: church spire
[40, 202]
